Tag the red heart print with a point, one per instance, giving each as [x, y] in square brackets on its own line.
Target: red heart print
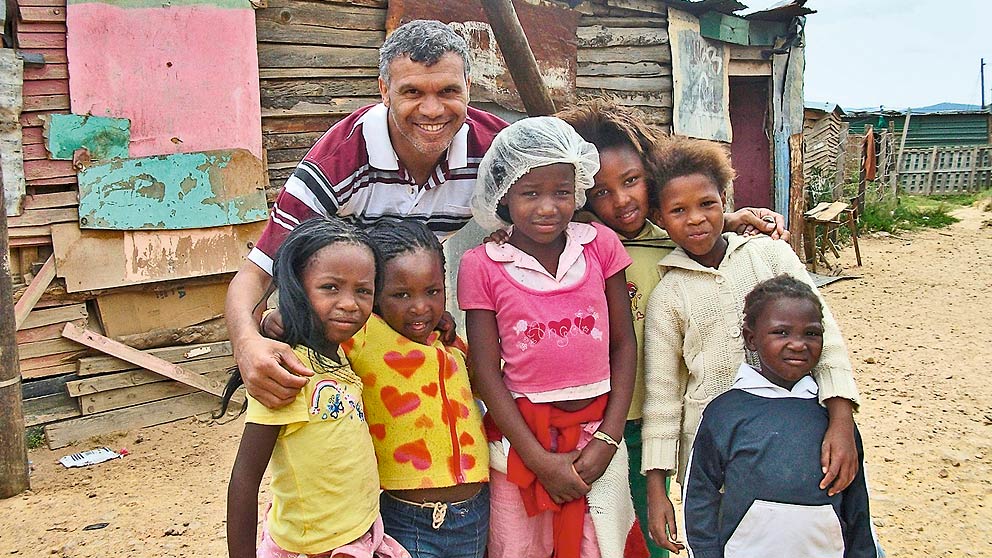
[424, 421]
[398, 403]
[414, 453]
[368, 380]
[451, 368]
[561, 327]
[430, 389]
[535, 332]
[585, 324]
[466, 439]
[467, 463]
[406, 364]
[378, 430]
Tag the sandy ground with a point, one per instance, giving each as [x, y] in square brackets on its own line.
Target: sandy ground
[918, 326]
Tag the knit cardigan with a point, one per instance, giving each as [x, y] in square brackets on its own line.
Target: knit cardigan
[694, 343]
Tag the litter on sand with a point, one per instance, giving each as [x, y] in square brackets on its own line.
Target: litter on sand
[90, 457]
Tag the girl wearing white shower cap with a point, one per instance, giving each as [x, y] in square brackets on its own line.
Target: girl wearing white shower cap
[555, 297]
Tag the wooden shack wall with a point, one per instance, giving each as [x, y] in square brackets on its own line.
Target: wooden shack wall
[318, 61]
[823, 164]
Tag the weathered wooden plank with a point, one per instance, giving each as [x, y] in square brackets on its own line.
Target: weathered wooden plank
[653, 100]
[334, 107]
[47, 365]
[56, 181]
[49, 408]
[290, 73]
[51, 200]
[648, 6]
[291, 124]
[25, 232]
[41, 40]
[94, 259]
[11, 143]
[63, 433]
[34, 152]
[170, 192]
[294, 56]
[41, 14]
[50, 331]
[36, 217]
[290, 141]
[38, 87]
[48, 71]
[322, 14]
[273, 90]
[31, 296]
[749, 67]
[46, 102]
[25, 241]
[277, 157]
[89, 366]
[599, 36]
[104, 138]
[176, 307]
[46, 386]
[86, 385]
[144, 360]
[637, 69]
[660, 20]
[32, 135]
[626, 54]
[46, 3]
[47, 348]
[47, 27]
[52, 55]
[39, 169]
[310, 34]
[56, 315]
[136, 395]
[648, 84]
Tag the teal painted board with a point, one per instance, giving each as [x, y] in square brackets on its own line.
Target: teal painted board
[104, 138]
[723, 27]
[168, 192]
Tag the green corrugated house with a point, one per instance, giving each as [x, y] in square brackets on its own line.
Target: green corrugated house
[941, 128]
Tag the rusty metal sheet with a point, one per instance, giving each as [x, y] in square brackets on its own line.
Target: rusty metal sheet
[550, 30]
[783, 11]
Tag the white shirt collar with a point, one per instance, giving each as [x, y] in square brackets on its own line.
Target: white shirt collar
[375, 130]
[576, 236]
[748, 379]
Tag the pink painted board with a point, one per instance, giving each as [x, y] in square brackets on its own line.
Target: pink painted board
[186, 76]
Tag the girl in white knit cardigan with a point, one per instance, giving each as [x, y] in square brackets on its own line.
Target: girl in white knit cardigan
[693, 342]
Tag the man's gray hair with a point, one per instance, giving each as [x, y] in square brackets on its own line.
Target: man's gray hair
[425, 41]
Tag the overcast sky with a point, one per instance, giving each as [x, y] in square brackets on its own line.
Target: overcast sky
[896, 53]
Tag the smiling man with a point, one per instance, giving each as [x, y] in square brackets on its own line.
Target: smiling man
[415, 155]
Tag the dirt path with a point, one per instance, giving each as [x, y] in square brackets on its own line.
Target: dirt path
[918, 326]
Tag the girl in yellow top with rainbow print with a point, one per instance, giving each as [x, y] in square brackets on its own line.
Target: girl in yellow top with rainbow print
[324, 481]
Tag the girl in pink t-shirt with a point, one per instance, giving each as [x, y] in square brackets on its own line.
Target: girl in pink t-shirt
[555, 298]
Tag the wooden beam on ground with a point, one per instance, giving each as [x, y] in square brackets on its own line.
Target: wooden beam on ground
[144, 360]
[34, 291]
[519, 57]
[61, 434]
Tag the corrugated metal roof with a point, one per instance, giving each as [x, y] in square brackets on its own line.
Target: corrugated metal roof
[825, 107]
[783, 11]
[928, 130]
[700, 6]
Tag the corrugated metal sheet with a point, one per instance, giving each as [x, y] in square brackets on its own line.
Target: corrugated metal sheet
[928, 130]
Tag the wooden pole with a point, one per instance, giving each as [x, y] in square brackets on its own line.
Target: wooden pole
[797, 192]
[14, 477]
[519, 58]
[894, 182]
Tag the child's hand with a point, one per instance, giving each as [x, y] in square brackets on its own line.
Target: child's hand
[593, 460]
[661, 519]
[839, 453]
[498, 236]
[446, 326]
[557, 474]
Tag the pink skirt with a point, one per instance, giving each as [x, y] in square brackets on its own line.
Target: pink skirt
[375, 543]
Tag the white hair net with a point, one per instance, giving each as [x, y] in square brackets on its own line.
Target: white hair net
[525, 145]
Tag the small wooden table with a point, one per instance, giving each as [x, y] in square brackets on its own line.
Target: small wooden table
[830, 215]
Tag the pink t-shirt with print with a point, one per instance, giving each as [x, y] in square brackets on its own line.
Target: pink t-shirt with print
[549, 339]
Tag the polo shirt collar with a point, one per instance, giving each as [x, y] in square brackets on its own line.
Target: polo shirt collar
[576, 236]
[749, 380]
[375, 130]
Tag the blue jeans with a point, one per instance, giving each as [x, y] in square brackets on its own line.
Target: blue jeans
[462, 534]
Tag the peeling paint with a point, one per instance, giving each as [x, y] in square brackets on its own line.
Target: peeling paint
[181, 191]
[104, 138]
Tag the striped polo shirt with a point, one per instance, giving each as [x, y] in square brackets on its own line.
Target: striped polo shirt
[353, 172]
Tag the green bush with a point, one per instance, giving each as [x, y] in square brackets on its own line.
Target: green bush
[34, 437]
[893, 215]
